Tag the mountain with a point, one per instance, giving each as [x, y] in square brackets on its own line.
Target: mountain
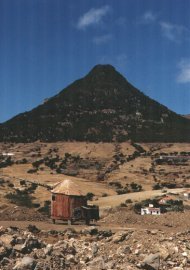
[187, 116]
[102, 106]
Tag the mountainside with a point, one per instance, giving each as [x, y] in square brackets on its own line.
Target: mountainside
[187, 116]
[102, 106]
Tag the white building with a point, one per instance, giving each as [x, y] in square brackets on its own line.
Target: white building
[186, 194]
[150, 210]
[8, 154]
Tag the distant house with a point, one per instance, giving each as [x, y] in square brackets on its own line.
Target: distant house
[150, 210]
[170, 203]
[186, 194]
[166, 199]
[8, 154]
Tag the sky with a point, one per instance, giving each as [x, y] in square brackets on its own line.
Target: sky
[47, 44]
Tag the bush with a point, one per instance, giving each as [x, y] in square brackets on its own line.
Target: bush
[135, 187]
[11, 185]
[116, 184]
[90, 196]
[123, 191]
[37, 163]
[32, 171]
[46, 208]
[123, 205]
[20, 198]
[157, 186]
[2, 181]
[22, 182]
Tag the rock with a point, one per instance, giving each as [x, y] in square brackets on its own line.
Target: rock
[107, 233]
[151, 262]
[184, 254]
[154, 232]
[111, 265]
[136, 252]
[6, 239]
[33, 228]
[123, 250]
[27, 263]
[164, 253]
[94, 249]
[97, 264]
[5, 251]
[119, 236]
[90, 230]
[30, 244]
[70, 259]
[48, 249]
[18, 247]
[5, 261]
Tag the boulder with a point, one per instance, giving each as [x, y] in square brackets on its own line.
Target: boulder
[97, 264]
[152, 262]
[119, 236]
[27, 263]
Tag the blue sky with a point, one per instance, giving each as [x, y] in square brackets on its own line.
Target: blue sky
[47, 44]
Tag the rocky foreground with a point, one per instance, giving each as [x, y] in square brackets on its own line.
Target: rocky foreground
[92, 249]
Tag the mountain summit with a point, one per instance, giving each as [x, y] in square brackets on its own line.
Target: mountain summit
[102, 106]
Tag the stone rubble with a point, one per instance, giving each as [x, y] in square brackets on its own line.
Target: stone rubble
[92, 249]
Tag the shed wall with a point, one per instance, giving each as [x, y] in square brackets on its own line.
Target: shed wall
[63, 205]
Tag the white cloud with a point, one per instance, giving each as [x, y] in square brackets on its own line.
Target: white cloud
[184, 71]
[148, 17]
[98, 40]
[93, 16]
[174, 32]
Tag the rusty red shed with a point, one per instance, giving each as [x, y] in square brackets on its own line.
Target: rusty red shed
[67, 200]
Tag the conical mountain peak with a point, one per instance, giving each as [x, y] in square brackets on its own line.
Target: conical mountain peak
[103, 71]
[102, 68]
[102, 106]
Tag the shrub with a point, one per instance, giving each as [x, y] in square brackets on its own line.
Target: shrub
[123, 205]
[37, 163]
[11, 185]
[101, 177]
[123, 191]
[135, 187]
[20, 198]
[32, 171]
[157, 186]
[90, 196]
[116, 184]
[2, 181]
[22, 182]
[46, 208]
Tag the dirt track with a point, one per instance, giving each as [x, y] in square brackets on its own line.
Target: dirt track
[116, 200]
[60, 226]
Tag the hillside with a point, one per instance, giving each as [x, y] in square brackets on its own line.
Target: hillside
[102, 106]
[187, 116]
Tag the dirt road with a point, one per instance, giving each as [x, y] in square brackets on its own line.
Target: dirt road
[61, 226]
[116, 200]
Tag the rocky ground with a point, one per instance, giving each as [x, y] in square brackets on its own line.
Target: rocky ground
[93, 249]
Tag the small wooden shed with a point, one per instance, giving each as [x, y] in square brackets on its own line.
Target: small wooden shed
[67, 200]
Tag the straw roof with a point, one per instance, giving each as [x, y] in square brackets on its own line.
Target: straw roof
[67, 187]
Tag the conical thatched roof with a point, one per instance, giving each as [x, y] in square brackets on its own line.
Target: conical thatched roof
[67, 187]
